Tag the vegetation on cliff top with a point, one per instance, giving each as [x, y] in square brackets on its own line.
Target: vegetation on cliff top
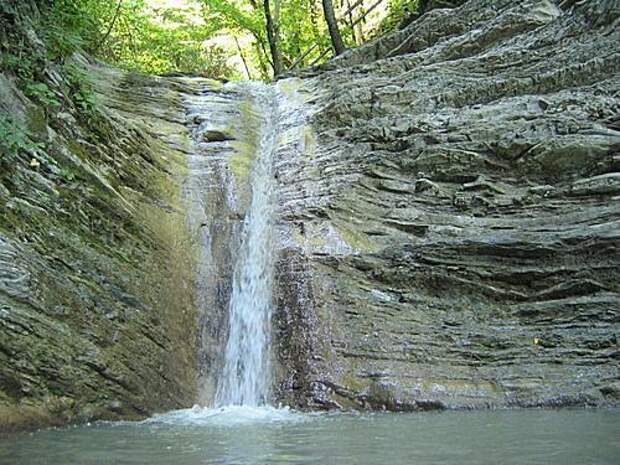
[216, 38]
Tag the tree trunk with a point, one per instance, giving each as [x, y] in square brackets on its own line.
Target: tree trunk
[245, 63]
[272, 37]
[263, 59]
[332, 25]
[349, 15]
[111, 26]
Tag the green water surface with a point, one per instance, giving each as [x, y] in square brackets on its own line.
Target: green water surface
[261, 436]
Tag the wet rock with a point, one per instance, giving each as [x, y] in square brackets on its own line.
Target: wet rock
[467, 166]
[214, 135]
[447, 225]
[96, 300]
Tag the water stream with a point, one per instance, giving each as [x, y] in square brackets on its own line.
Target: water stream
[246, 378]
[231, 193]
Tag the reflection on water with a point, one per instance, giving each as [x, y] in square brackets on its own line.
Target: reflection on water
[270, 436]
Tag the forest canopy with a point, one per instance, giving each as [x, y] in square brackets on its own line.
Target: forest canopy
[232, 39]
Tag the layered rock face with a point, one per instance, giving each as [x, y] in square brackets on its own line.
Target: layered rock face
[97, 307]
[452, 223]
[448, 226]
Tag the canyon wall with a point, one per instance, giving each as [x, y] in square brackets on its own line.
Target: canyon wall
[453, 219]
[97, 303]
[447, 225]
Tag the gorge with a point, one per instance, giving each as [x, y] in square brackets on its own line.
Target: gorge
[430, 221]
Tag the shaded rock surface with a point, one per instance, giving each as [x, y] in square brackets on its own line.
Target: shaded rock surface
[97, 308]
[448, 225]
[453, 221]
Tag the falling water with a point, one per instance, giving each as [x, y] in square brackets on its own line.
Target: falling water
[245, 379]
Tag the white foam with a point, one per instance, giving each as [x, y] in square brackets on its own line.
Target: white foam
[229, 416]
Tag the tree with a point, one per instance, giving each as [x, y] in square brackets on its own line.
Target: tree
[273, 35]
[332, 26]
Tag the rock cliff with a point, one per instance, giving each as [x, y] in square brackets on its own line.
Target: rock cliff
[97, 309]
[453, 221]
[448, 224]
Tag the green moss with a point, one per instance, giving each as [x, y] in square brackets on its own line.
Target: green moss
[310, 142]
[290, 85]
[244, 148]
[294, 90]
[241, 161]
[355, 239]
[36, 122]
[352, 382]
[214, 84]
[77, 149]
[115, 272]
[20, 417]
[14, 136]
[167, 287]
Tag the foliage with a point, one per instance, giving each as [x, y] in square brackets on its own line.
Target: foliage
[67, 174]
[172, 43]
[29, 69]
[299, 26]
[42, 93]
[302, 35]
[197, 36]
[80, 88]
[42, 68]
[69, 26]
[398, 11]
[129, 34]
[299, 32]
[14, 136]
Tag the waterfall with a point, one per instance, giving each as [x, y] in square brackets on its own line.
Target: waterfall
[246, 377]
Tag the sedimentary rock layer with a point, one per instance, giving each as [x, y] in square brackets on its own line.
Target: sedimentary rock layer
[454, 219]
[97, 311]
